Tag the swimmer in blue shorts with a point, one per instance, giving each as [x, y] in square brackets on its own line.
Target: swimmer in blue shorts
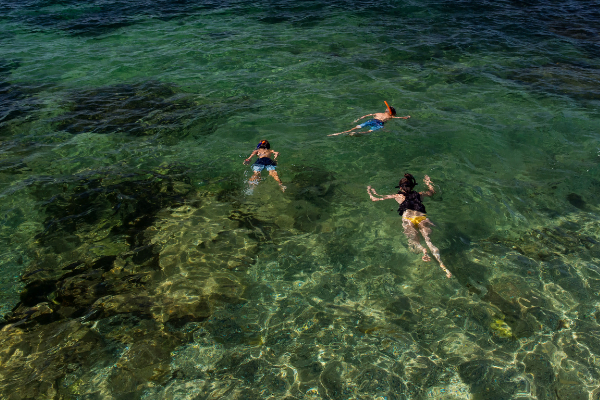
[375, 123]
[264, 153]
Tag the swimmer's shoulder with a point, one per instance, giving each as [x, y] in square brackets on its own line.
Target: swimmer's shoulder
[381, 116]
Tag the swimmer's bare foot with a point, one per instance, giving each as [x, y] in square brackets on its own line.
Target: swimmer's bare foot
[282, 187]
[448, 273]
[426, 257]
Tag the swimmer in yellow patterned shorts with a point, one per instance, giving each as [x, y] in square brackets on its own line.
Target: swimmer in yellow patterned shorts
[414, 219]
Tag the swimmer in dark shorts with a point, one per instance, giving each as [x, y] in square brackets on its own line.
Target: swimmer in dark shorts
[414, 219]
[264, 153]
[375, 123]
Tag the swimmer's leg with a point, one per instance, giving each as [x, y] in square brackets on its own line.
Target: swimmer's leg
[425, 229]
[273, 173]
[254, 178]
[414, 242]
[349, 130]
[253, 182]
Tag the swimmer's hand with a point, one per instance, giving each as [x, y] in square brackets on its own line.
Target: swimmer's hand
[246, 161]
[370, 190]
[427, 179]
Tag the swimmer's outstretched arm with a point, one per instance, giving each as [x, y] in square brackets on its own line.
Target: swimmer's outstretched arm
[247, 160]
[429, 184]
[398, 197]
[275, 155]
[407, 117]
[364, 116]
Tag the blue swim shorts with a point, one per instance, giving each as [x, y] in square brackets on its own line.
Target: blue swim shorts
[260, 167]
[374, 124]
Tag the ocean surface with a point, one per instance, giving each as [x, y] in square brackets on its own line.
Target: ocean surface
[137, 262]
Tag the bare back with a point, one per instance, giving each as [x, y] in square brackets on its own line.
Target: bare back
[262, 153]
[383, 117]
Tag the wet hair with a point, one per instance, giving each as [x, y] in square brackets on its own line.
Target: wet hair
[263, 144]
[407, 184]
[393, 110]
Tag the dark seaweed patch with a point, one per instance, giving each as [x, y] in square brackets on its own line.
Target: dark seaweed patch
[315, 190]
[484, 378]
[13, 167]
[145, 108]
[6, 66]
[122, 205]
[229, 333]
[99, 17]
[13, 97]
[545, 244]
[121, 108]
[126, 204]
[10, 99]
[315, 184]
[520, 323]
[576, 200]
[574, 80]
[544, 376]
[260, 230]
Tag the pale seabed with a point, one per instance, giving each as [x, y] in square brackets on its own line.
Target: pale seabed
[135, 264]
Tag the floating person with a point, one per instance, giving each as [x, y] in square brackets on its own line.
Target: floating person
[264, 153]
[375, 123]
[414, 219]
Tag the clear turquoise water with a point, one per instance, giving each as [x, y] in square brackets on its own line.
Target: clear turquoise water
[136, 265]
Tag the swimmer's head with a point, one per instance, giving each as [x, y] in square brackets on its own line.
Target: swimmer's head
[391, 110]
[263, 144]
[407, 183]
